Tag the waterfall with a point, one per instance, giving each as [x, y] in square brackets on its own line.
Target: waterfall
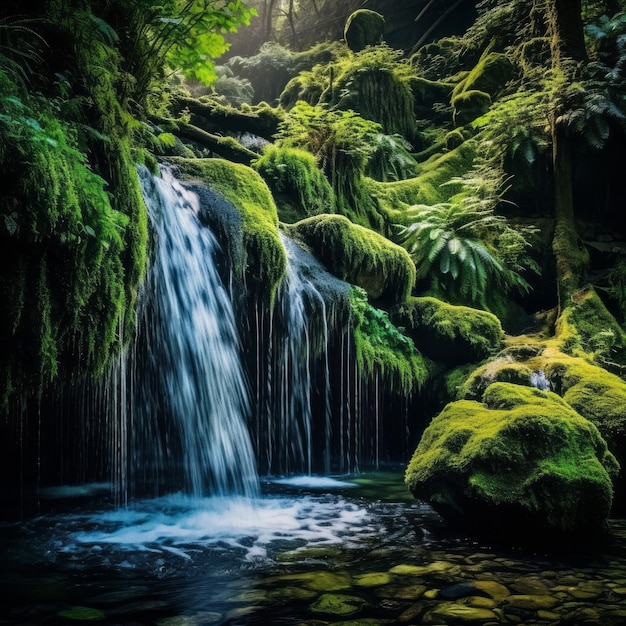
[296, 425]
[190, 379]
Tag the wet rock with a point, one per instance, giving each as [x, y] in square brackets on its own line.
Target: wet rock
[412, 613]
[337, 604]
[409, 592]
[532, 602]
[459, 590]
[493, 589]
[461, 613]
[530, 586]
[373, 579]
[82, 614]
[320, 581]
[290, 593]
[583, 615]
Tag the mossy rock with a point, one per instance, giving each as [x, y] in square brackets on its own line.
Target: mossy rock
[449, 334]
[426, 92]
[521, 466]
[364, 28]
[600, 397]
[359, 256]
[265, 259]
[469, 105]
[338, 604]
[400, 201]
[378, 94]
[586, 328]
[299, 187]
[489, 75]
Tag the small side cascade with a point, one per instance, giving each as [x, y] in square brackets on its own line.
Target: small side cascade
[189, 376]
[538, 380]
[299, 402]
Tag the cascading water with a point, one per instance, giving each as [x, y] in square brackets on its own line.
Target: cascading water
[296, 426]
[193, 376]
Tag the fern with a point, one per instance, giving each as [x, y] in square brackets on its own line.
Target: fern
[463, 247]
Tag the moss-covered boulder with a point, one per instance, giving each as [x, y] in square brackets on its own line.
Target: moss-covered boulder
[600, 397]
[489, 75]
[359, 256]
[364, 28]
[401, 202]
[469, 105]
[586, 328]
[264, 260]
[299, 187]
[379, 94]
[449, 334]
[522, 466]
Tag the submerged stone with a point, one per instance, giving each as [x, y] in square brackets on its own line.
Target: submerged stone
[461, 613]
[320, 581]
[337, 604]
[83, 614]
[373, 579]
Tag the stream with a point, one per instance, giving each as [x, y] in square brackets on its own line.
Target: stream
[310, 550]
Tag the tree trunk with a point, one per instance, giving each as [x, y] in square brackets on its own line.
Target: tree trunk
[568, 47]
[570, 256]
[567, 38]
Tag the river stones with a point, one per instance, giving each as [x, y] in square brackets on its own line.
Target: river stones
[373, 579]
[461, 613]
[337, 604]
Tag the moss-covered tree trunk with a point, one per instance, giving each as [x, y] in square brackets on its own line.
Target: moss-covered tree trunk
[568, 49]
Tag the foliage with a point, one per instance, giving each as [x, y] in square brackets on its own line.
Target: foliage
[391, 159]
[522, 459]
[67, 275]
[516, 127]
[465, 249]
[271, 69]
[175, 34]
[359, 256]
[232, 89]
[299, 188]
[20, 48]
[342, 142]
[617, 287]
[382, 348]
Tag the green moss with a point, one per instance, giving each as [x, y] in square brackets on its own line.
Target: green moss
[447, 333]
[364, 28]
[359, 256]
[469, 105]
[299, 187]
[489, 75]
[382, 349]
[376, 84]
[342, 142]
[522, 461]
[595, 393]
[399, 201]
[265, 261]
[77, 238]
[428, 92]
[586, 328]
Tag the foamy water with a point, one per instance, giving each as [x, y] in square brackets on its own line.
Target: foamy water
[253, 528]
